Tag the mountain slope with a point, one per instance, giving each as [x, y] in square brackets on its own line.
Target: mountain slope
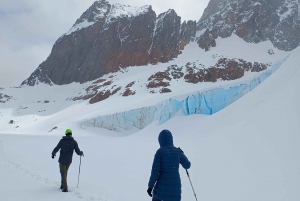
[108, 37]
[254, 21]
[131, 88]
[111, 37]
[248, 151]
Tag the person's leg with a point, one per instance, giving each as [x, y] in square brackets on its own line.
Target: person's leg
[63, 172]
[67, 168]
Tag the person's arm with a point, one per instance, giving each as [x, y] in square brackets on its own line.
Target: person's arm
[56, 149]
[156, 167]
[184, 161]
[77, 150]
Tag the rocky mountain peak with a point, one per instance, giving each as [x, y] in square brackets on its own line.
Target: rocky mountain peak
[107, 38]
[110, 37]
[253, 20]
[98, 10]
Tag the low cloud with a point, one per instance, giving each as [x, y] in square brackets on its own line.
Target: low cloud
[29, 28]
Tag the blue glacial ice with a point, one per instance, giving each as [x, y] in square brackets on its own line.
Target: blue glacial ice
[205, 102]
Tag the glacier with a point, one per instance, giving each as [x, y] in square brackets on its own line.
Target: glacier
[206, 102]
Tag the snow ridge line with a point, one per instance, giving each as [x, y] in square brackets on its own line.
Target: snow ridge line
[41, 179]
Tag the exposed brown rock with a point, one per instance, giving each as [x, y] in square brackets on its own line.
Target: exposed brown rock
[92, 88]
[160, 76]
[92, 92]
[225, 69]
[257, 67]
[84, 97]
[107, 83]
[46, 101]
[116, 90]
[128, 92]
[99, 81]
[102, 95]
[165, 90]
[130, 84]
[157, 84]
[175, 71]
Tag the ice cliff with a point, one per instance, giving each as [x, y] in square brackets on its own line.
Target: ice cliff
[207, 102]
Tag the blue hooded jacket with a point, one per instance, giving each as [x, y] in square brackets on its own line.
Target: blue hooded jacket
[165, 176]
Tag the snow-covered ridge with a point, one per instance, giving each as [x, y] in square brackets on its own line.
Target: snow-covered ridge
[102, 9]
[77, 27]
[120, 11]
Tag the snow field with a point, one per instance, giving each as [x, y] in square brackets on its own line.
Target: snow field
[247, 151]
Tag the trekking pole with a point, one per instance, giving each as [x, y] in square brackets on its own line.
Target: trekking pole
[79, 172]
[191, 184]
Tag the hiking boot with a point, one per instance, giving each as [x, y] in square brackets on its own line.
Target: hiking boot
[64, 190]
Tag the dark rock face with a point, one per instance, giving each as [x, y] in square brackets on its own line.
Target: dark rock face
[109, 37]
[165, 90]
[187, 33]
[128, 92]
[102, 95]
[253, 20]
[159, 79]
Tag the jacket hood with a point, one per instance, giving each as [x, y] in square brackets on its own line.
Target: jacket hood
[165, 138]
[68, 137]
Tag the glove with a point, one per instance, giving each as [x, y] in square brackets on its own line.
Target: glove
[149, 191]
[180, 149]
[81, 153]
[53, 156]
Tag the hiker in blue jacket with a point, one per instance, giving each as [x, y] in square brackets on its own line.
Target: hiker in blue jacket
[165, 178]
[66, 145]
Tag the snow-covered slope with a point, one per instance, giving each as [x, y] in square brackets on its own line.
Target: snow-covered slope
[71, 103]
[248, 151]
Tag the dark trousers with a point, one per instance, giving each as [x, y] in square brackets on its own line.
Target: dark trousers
[154, 199]
[64, 173]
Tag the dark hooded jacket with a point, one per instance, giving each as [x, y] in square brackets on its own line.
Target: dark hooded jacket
[165, 176]
[67, 145]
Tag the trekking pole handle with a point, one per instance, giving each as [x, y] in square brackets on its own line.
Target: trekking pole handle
[187, 173]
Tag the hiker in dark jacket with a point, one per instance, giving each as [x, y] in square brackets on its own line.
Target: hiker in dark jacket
[66, 145]
[165, 176]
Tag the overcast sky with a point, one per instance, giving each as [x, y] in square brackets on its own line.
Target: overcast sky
[29, 28]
